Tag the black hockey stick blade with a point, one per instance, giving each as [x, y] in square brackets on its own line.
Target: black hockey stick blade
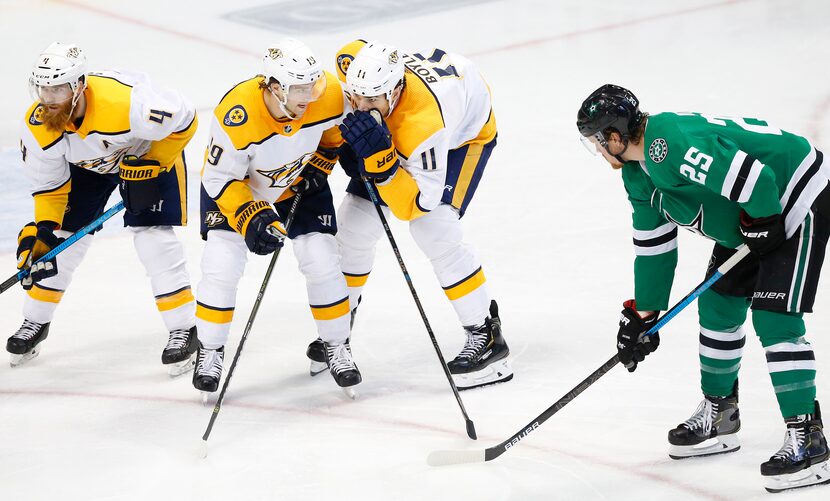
[471, 429]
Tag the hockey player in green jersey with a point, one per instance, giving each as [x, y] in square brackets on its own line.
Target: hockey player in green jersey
[735, 181]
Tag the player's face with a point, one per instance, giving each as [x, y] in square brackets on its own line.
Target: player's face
[57, 104]
[364, 103]
[614, 145]
[301, 95]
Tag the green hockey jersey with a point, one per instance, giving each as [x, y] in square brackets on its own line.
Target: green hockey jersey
[699, 172]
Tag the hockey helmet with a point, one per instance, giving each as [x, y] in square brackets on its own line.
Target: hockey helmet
[292, 64]
[610, 106]
[376, 70]
[58, 64]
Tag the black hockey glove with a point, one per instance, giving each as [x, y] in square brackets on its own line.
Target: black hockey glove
[632, 345]
[261, 227]
[139, 183]
[33, 242]
[763, 234]
[371, 140]
[315, 173]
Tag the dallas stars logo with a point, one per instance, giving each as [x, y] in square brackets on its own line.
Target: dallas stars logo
[695, 225]
[658, 150]
[283, 176]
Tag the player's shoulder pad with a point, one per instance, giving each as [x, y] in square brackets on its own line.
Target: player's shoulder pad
[108, 105]
[238, 114]
[345, 56]
[45, 137]
[329, 106]
[416, 117]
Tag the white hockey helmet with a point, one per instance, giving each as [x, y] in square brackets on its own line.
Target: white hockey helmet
[58, 64]
[376, 70]
[292, 64]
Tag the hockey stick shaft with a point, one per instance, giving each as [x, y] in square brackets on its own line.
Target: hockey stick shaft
[250, 323]
[440, 458]
[20, 275]
[471, 430]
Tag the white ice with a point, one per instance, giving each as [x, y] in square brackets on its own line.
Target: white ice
[96, 417]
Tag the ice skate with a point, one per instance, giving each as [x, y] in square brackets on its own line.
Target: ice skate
[342, 367]
[803, 459]
[712, 429]
[483, 360]
[23, 345]
[208, 370]
[316, 352]
[180, 353]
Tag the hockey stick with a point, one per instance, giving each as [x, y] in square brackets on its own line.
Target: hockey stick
[20, 275]
[247, 330]
[471, 429]
[446, 457]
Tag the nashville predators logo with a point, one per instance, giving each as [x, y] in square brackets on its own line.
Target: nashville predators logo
[282, 177]
[73, 53]
[343, 62]
[393, 57]
[274, 53]
[213, 218]
[36, 118]
[235, 116]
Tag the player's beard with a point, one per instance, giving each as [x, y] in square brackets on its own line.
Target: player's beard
[56, 119]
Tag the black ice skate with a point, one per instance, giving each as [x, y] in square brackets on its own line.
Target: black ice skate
[208, 370]
[23, 345]
[316, 352]
[180, 352]
[803, 459]
[483, 360]
[712, 429]
[342, 366]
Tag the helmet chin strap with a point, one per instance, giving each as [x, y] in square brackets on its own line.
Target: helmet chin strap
[282, 104]
[75, 98]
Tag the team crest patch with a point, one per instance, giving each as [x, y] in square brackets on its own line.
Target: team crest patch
[283, 176]
[343, 62]
[214, 218]
[274, 53]
[393, 57]
[658, 150]
[37, 115]
[235, 116]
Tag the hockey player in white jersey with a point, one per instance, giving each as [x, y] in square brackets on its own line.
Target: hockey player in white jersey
[425, 159]
[86, 134]
[273, 136]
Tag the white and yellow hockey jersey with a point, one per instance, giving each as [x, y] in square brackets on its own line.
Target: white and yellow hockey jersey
[124, 114]
[252, 156]
[445, 104]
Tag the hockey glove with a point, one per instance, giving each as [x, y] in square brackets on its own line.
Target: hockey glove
[371, 141]
[764, 234]
[33, 242]
[632, 344]
[315, 173]
[261, 227]
[139, 183]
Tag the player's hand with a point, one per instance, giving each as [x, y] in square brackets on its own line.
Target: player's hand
[261, 227]
[33, 242]
[763, 234]
[139, 183]
[371, 140]
[632, 344]
[315, 173]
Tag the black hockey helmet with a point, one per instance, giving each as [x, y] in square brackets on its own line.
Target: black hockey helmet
[610, 106]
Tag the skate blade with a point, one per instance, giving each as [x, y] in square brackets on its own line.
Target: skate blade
[815, 475]
[350, 392]
[205, 395]
[176, 369]
[497, 372]
[710, 447]
[16, 360]
[315, 368]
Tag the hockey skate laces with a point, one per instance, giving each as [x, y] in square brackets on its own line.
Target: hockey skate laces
[702, 418]
[793, 441]
[476, 340]
[27, 331]
[340, 358]
[178, 339]
[210, 364]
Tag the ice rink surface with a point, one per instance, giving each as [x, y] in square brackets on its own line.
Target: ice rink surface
[95, 417]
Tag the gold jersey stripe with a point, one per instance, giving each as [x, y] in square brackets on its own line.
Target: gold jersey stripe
[330, 311]
[465, 286]
[45, 294]
[356, 280]
[214, 315]
[468, 168]
[174, 300]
